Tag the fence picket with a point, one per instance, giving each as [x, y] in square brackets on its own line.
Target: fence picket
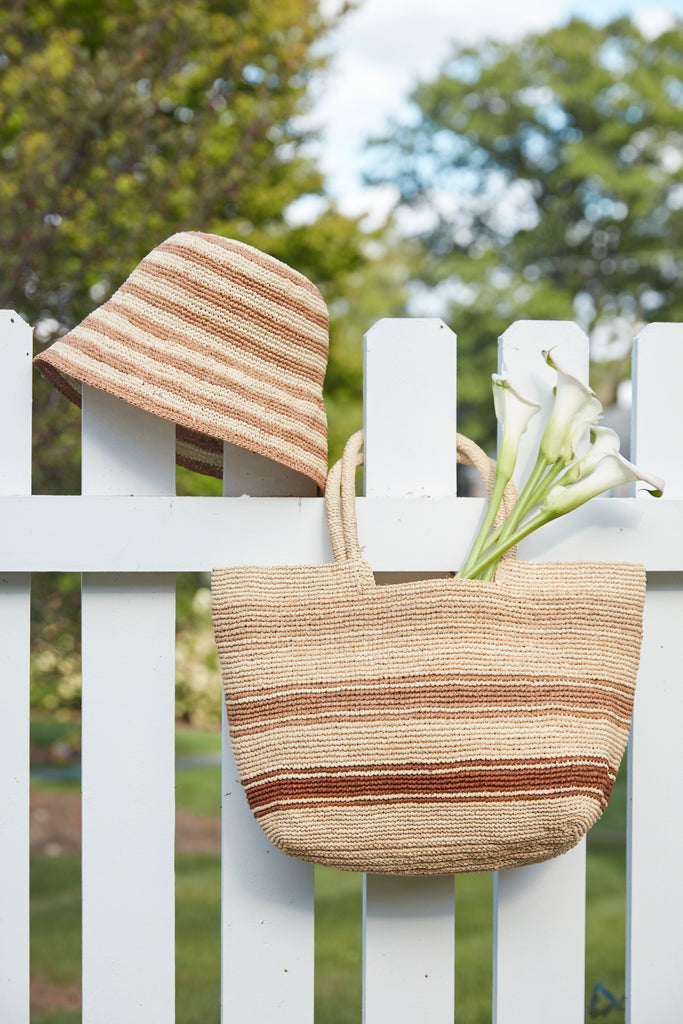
[654, 981]
[128, 761]
[539, 911]
[267, 907]
[15, 478]
[128, 700]
[410, 428]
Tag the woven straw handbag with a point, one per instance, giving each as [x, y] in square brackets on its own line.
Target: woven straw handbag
[427, 727]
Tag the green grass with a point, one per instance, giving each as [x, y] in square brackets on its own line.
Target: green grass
[189, 742]
[56, 919]
[55, 903]
[198, 787]
[48, 730]
[57, 1017]
[473, 947]
[198, 790]
[606, 926]
[338, 956]
[198, 918]
[56, 934]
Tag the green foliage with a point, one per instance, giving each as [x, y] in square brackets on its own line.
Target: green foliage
[55, 643]
[121, 123]
[198, 691]
[56, 935]
[543, 180]
[124, 122]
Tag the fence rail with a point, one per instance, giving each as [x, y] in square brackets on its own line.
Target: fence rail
[128, 534]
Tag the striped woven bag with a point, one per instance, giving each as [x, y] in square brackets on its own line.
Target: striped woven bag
[427, 727]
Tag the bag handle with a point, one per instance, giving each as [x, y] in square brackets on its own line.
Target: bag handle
[344, 534]
[341, 507]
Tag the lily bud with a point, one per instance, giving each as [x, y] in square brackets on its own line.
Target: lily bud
[513, 412]
[611, 471]
[575, 409]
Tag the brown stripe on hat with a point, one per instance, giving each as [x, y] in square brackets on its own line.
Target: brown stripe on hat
[227, 342]
[267, 437]
[293, 422]
[198, 350]
[192, 299]
[274, 267]
[302, 302]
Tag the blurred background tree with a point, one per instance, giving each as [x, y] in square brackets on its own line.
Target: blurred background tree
[125, 121]
[122, 122]
[535, 179]
[543, 179]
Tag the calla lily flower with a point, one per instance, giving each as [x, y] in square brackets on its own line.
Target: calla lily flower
[513, 412]
[605, 441]
[576, 461]
[612, 470]
[576, 408]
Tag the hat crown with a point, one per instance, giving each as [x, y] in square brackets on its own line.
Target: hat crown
[228, 342]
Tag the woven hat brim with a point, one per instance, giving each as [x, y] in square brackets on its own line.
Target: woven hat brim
[221, 339]
[195, 449]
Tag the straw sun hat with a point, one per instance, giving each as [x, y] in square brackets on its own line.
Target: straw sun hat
[223, 340]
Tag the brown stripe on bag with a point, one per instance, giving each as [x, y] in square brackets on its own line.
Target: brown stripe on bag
[419, 767]
[377, 802]
[447, 696]
[424, 713]
[473, 781]
[479, 685]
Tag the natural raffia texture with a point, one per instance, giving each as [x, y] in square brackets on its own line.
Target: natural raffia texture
[223, 340]
[427, 727]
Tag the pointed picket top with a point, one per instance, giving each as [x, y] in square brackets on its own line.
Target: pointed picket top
[520, 359]
[409, 372]
[16, 342]
[657, 373]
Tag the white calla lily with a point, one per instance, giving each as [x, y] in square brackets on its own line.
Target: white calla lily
[576, 408]
[576, 461]
[514, 413]
[612, 470]
[605, 441]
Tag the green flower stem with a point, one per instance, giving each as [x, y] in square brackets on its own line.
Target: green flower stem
[493, 555]
[536, 498]
[480, 542]
[524, 502]
[488, 574]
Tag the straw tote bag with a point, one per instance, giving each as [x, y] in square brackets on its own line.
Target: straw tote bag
[427, 727]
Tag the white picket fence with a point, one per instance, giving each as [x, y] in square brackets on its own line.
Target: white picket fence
[128, 534]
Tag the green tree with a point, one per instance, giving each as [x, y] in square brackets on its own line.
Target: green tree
[543, 179]
[125, 121]
[122, 122]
